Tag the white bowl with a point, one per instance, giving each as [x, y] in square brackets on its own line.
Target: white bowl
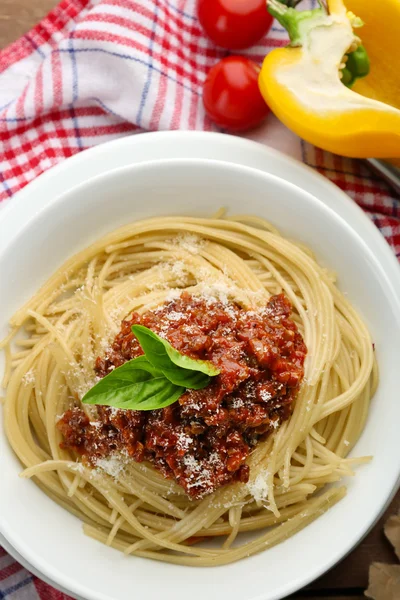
[49, 538]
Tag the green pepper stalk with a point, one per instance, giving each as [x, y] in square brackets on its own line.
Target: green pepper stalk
[297, 23]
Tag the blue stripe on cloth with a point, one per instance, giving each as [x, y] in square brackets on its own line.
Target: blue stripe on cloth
[135, 59]
[7, 105]
[117, 55]
[180, 12]
[150, 69]
[74, 71]
[106, 108]
[5, 184]
[15, 119]
[14, 588]
[76, 127]
[34, 45]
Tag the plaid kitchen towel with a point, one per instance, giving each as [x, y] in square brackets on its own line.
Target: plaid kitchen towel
[95, 70]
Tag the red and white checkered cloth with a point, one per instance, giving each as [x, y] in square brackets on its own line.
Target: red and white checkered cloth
[94, 70]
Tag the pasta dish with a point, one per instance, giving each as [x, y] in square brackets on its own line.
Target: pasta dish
[183, 382]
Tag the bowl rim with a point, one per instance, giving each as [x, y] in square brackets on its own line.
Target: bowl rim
[66, 581]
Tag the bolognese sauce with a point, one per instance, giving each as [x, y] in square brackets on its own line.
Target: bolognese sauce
[201, 441]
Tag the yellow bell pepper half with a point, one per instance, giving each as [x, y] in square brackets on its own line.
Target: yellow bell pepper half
[302, 83]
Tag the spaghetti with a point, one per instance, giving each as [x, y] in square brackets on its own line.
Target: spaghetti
[57, 336]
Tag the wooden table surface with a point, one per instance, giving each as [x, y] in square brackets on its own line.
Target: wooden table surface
[349, 579]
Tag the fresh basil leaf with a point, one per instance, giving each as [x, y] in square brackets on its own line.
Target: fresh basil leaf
[161, 354]
[153, 381]
[169, 394]
[135, 385]
[193, 380]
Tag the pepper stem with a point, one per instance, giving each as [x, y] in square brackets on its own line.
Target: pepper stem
[294, 21]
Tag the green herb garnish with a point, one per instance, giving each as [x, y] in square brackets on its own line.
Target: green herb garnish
[155, 380]
[178, 368]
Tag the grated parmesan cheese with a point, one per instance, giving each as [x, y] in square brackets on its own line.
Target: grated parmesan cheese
[184, 441]
[265, 395]
[199, 475]
[190, 242]
[173, 294]
[259, 487]
[29, 377]
[112, 465]
[216, 291]
[237, 403]
[178, 268]
[175, 316]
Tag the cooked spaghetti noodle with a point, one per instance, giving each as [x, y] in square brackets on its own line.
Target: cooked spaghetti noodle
[50, 358]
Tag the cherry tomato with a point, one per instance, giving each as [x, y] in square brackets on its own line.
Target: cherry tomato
[231, 95]
[234, 24]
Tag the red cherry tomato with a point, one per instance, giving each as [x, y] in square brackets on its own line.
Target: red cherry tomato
[231, 95]
[234, 24]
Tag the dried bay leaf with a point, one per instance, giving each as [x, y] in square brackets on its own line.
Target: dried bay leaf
[384, 582]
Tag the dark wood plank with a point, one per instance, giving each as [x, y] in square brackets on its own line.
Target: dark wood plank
[328, 596]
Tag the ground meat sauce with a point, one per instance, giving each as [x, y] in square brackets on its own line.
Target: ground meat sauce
[202, 441]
